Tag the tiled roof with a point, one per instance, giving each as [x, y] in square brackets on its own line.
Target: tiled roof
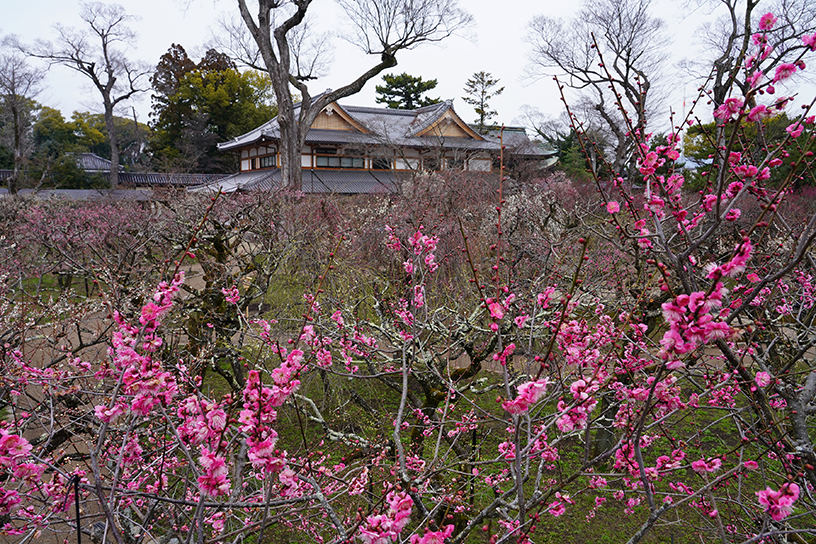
[515, 138]
[390, 127]
[350, 182]
[426, 116]
[85, 194]
[151, 179]
[154, 179]
[314, 181]
[259, 179]
[90, 162]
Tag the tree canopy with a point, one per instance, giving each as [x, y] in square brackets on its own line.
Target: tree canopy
[196, 106]
[405, 92]
[753, 139]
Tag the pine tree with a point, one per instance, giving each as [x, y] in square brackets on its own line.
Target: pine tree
[478, 92]
[404, 92]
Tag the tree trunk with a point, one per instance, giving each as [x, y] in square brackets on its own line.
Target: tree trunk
[290, 150]
[13, 181]
[604, 438]
[114, 143]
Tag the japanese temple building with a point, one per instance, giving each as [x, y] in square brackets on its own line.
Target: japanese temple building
[354, 149]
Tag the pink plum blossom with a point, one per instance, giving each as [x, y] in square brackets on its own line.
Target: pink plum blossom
[433, 537]
[556, 508]
[496, 310]
[767, 21]
[754, 79]
[795, 130]
[733, 214]
[214, 480]
[760, 112]
[150, 312]
[784, 71]
[386, 527]
[231, 295]
[762, 379]
[528, 394]
[730, 107]
[702, 466]
[106, 414]
[9, 500]
[779, 504]
[14, 446]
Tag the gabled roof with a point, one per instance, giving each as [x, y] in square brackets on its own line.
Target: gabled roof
[433, 123]
[336, 109]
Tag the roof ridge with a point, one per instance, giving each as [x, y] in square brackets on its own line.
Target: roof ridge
[448, 102]
[315, 97]
[374, 109]
[433, 112]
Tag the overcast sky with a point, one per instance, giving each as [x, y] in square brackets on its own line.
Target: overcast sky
[496, 44]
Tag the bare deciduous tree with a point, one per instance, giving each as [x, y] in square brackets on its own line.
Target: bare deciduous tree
[97, 53]
[19, 84]
[728, 39]
[380, 27]
[629, 39]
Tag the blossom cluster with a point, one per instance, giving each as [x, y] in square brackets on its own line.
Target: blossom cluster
[386, 527]
[528, 394]
[692, 323]
[779, 504]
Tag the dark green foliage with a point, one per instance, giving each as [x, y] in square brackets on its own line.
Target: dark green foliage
[478, 90]
[404, 92]
[196, 106]
[66, 174]
[756, 139]
[6, 158]
[573, 163]
[571, 159]
[52, 129]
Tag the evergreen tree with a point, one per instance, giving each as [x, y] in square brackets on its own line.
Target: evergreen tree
[196, 106]
[753, 139]
[168, 115]
[404, 92]
[51, 129]
[478, 90]
[57, 140]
